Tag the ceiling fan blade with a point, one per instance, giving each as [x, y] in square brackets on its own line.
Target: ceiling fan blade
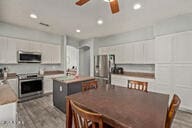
[114, 6]
[81, 2]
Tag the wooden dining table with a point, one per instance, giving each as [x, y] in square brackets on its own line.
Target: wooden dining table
[122, 107]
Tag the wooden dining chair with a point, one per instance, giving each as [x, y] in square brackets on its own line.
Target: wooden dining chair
[172, 111]
[86, 119]
[138, 85]
[89, 85]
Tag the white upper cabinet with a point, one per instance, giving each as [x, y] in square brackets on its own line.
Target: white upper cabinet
[51, 54]
[34, 46]
[46, 51]
[22, 45]
[3, 49]
[128, 55]
[149, 52]
[163, 49]
[56, 55]
[11, 55]
[182, 47]
[138, 53]
[8, 54]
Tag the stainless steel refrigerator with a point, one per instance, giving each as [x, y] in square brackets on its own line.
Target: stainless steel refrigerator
[103, 65]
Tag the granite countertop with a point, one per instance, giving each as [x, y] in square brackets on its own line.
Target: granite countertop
[7, 95]
[138, 74]
[72, 79]
[10, 76]
[55, 72]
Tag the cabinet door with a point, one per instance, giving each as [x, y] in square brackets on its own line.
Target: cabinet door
[14, 85]
[138, 53]
[11, 54]
[3, 49]
[182, 45]
[163, 49]
[34, 46]
[128, 56]
[47, 52]
[164, 80]
[22, 45]
[149, 52]
[48, 85]
[56, 54]
[120, 54]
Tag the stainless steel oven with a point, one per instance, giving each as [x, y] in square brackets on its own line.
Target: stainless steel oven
[28, 57]
[30, 86]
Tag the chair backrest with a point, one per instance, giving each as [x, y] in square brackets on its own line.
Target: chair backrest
[85, 119]
[89, 85]
[172, 111]
[138, 85]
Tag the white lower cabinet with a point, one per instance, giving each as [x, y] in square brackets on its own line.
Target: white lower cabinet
[119, 80]
[14, 85]
[48, 83]
[182, 78]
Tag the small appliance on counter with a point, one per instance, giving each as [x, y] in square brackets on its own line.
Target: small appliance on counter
[117, 70]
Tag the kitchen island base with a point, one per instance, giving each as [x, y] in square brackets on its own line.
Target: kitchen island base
[62, 89]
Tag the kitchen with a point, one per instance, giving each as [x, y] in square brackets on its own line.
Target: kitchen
[157, 52]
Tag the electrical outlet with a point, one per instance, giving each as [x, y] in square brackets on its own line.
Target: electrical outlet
[60, 88]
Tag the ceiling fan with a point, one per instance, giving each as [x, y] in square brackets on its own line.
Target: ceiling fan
[114, 4]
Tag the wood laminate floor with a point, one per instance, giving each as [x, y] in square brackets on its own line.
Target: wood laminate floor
[40, 113]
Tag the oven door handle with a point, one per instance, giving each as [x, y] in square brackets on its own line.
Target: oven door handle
[31, 80]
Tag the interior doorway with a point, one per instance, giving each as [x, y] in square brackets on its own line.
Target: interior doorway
[84, 61]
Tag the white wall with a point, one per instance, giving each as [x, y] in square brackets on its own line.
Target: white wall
[90, 44]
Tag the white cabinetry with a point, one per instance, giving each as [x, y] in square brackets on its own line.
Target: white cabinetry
[7, 51]
[22, 45]
[164, 80]
[163, 49]
[182, 74]
[3, 48]
[149, 52]
[128, 55]
[48, 83]
[138, 53]
[14, 85]
[51, 54]
[119, 80]
[132, 53]
[182, 47]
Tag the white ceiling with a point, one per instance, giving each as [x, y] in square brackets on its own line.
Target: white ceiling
[65, 17]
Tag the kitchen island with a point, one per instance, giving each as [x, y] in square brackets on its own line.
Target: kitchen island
[64, 86]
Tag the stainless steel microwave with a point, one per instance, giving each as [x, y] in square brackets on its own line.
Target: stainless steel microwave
[28, 57]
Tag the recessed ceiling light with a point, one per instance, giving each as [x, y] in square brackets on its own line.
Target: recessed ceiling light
[137, 6]
[33, 16]
[78, 30]
[100, 22]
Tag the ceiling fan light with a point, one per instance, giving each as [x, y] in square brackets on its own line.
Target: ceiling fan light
[108, 1]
